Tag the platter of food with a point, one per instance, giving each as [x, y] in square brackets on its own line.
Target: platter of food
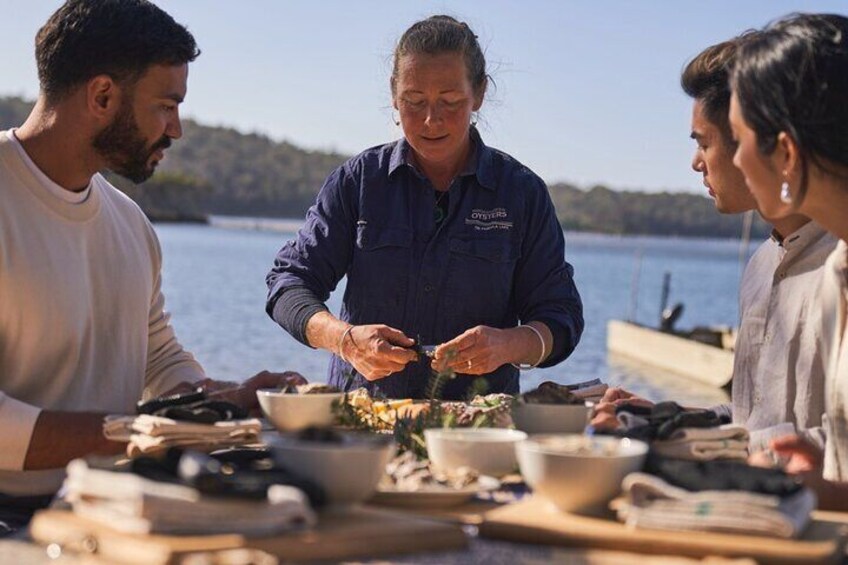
[411, 483]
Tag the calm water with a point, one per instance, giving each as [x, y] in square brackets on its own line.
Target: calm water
[214, 284]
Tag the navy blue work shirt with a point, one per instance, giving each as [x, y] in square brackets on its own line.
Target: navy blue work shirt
[497, 258]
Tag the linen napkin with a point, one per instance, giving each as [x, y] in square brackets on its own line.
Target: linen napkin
[131, 503]
[149, 434]
[650, 502]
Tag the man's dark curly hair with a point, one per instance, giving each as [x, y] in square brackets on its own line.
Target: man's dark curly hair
[119, 38]
[707, 78]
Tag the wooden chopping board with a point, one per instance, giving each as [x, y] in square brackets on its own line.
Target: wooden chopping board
[469, 513]
[536, 521]
[353, 533]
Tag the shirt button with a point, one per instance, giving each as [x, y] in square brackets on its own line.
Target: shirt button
[428, 287]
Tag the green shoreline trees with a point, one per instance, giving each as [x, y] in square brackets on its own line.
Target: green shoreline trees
[217, 170]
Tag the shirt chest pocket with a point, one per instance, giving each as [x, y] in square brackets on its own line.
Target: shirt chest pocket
[379, 275]
[480, 278]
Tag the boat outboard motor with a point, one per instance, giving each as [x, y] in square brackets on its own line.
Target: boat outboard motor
[670, 317]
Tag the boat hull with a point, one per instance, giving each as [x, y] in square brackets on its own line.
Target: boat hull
[688, 358]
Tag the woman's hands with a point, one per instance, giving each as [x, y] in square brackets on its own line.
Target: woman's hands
[482, 349]
[376, 350]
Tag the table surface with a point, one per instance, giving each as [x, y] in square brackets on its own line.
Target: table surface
[480, 550]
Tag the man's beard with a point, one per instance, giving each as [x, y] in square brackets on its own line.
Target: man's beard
[123, 147]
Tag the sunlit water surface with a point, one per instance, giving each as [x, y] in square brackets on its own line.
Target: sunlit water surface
[214, 284]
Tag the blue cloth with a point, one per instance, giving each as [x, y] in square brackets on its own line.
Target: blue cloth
[496, 260]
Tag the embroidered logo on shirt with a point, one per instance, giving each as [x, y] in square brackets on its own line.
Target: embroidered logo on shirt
[485, 220]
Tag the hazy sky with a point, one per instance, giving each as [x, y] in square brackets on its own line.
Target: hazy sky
[587, 91]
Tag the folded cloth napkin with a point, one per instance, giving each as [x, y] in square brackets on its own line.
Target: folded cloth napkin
[661, 420]
[131, 503]
[702, 450]
[650, 502]
[149, 434]
[725, 431]
[727, 441]
[721, 474]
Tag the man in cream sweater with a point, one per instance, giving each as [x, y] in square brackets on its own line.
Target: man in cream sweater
[83, 330]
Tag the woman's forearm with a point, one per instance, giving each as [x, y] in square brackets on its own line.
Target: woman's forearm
[529, 349]
[324, 331]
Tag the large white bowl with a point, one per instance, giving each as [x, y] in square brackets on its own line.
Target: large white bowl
[550, 418]
[573, 480]
[348, 472]
[489, 451]
[290, 411]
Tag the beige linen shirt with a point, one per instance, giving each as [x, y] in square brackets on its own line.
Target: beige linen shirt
[778, 373]
[834, 292]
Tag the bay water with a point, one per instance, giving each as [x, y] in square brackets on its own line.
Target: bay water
[214, 285]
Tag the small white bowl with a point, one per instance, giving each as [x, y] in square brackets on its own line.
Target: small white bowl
[489, 451]
[551, 418]
[348, 472]
[561, 469]
[291, 411]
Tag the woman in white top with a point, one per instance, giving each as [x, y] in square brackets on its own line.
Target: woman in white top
[789, 114]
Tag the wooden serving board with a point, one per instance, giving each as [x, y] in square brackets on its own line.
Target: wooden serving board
[468, 513]
[354, 533]
[536, 521]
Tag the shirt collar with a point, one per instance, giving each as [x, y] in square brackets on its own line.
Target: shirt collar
[803, 237]
[71, 197]
[480, 164]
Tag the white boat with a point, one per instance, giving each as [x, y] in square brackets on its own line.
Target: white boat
[706, 363]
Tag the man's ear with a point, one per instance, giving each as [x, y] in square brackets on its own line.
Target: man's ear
[103, 97]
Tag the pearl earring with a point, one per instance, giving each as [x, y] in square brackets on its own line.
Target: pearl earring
[785, 195]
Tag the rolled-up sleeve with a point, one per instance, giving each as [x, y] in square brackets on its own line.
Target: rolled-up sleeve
[317, 259]
[544, 283]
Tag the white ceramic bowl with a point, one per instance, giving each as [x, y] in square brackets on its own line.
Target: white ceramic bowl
[489, 451]
[348, 472]
[291, 411]
[550, 418]
[561, 469]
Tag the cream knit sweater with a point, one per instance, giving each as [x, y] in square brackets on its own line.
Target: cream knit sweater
[82, 323]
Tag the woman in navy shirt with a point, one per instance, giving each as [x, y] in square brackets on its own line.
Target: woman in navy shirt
[441, 238]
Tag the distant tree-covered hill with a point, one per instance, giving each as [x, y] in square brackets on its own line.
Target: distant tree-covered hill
[215, 170]
[645, 213]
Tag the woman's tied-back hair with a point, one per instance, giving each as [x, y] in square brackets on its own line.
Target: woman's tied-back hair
[707, 79]
[793, 77]
[443, 34]
[119, 38]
